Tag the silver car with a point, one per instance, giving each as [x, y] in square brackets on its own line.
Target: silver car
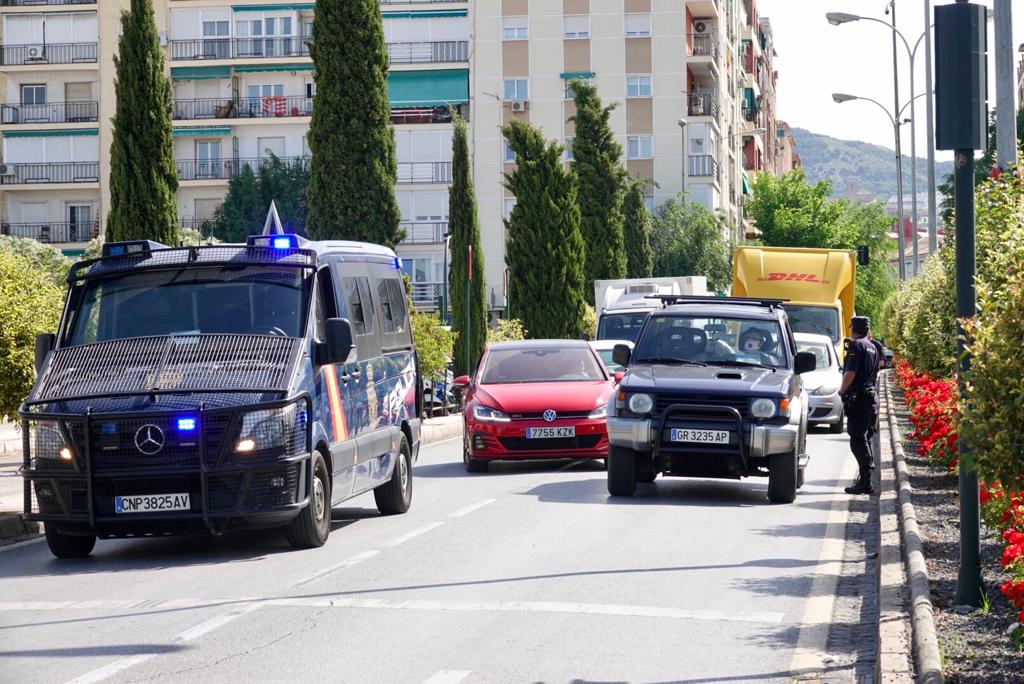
[826, 407]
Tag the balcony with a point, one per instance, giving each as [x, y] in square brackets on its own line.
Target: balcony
[424, 233]
[703, 45]
[49, 113]
[43, 3]
[426, 295]
[296, 46]
[424, 172]
[49, 172]
[703, 8]
[704, 166]
[243, 108]
[222, 169]
[427, 115]
[81, 231]
[52, 53]
[703, 104]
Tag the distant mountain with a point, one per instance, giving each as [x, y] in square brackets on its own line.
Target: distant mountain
[871, 167]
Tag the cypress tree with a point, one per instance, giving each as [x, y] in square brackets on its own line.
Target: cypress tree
[354, 167]
[544, 251]
[637, 232]
[601, 178]
[143, 175]
[465, 231]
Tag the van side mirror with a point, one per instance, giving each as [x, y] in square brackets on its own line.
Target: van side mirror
[45, 342]
[621, 354]
[338, 347]
[805, 362]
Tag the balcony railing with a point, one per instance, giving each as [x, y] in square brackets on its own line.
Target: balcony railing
[49, 172]
[427, 115]
[703, 104]
[426, 294]
[424, 233]
[703, 165]
[51, 112]
[425, 172]
[220, 169]
[80, 231]
[243, 108]
[407, 2]
[704, 45]
[297, 46]
[36, 3]
[52, 53]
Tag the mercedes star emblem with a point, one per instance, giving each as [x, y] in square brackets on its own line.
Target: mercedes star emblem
[550, 415]
[149, 439]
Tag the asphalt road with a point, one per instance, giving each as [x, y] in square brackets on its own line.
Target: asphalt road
[527, 574]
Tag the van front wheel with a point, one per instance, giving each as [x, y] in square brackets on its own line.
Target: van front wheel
[64, 545]
[312, 525]
[395, 495]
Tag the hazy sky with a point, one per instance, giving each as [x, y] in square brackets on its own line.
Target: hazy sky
[816, 59]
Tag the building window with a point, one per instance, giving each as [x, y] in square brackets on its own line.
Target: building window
[649, 203]
[516, 89]
[568, 150]
[508, 154]
[577, 26]
[515, 28]
[568, 90]
[638, 85]
[638, 25]
[216, 29]
[507, 207]
[639, 147]
[33, 94]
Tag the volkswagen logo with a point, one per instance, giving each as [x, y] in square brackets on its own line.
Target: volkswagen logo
[550, 415]
[149, 439]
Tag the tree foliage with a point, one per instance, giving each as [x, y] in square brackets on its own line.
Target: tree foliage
[434, 344]
[464, 227]
[354, 167]
[46, 258]
[506, 330]
[544, 253]
[637, 232]
[689, 240]
[600, 185]
[143, 173]
[245, 206]
[30, 303]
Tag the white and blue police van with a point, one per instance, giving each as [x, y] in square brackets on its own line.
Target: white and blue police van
[197, 389]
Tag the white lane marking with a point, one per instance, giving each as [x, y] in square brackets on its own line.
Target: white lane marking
[472, 507]
[415, 533]
[448, 677]
[812, 641]
[347, 563]
[191, 634]
[18, 545]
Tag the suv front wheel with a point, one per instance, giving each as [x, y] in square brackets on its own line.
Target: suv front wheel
[621, 471]
[782, 477]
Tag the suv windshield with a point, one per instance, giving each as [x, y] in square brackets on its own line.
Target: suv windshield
[820, 320]
[621, 326]
[716, 340]
[543, 364]
[252, 300]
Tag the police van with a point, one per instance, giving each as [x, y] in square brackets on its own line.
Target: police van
[196, 389]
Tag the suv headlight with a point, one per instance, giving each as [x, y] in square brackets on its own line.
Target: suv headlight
[825, 390]
[490, 415]
[640, 403]
[48, 441]
[763, 408]
[271, 428]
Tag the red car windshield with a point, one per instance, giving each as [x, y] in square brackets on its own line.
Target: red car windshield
[541, 364]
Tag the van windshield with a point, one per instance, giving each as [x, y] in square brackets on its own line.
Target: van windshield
[252, 300]
[820, 320]
[621, 326]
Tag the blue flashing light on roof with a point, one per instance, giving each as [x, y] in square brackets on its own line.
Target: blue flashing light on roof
[398, 263]
[282, 243]
[288, 241]
[133, 247]
[187, 424]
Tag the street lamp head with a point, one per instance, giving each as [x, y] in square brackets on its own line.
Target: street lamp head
[837, 18]
[682, 123]
[840, 98]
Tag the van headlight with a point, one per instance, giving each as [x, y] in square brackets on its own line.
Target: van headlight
[271, 428]
[48, 441]
[640, 403]
[763, 408]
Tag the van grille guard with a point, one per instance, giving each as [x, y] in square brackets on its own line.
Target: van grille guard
[172, 364]
[184, 257]
[62, 476]
[726, 414]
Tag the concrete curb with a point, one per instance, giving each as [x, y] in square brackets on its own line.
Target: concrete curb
[14, 528]
[438, 430]
[925, 643]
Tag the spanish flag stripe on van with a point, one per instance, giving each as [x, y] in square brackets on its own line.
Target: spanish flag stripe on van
[334, 397]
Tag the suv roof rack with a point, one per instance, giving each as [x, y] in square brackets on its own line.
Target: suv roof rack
[669, 300]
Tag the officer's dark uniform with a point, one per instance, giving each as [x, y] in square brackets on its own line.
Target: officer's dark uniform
[881, 355]
[861, 402]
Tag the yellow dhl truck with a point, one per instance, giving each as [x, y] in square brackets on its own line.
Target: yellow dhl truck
[819, 283]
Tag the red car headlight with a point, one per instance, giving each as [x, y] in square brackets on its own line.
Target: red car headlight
[487, 414]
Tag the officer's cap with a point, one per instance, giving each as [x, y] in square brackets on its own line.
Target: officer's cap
[860, 324]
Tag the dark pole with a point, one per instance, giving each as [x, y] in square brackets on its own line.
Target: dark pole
[900, 235]
[469, 311]
[969, 581]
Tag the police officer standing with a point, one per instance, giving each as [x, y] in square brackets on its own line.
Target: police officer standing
[858, 392]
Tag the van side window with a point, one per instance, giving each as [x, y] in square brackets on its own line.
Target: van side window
[325, 302]
[396, 293]
[364, 297]
[387, 317]
[357, 312]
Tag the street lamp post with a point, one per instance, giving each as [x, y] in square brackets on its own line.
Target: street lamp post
[444, 285]
[682, 125]
[840, 98]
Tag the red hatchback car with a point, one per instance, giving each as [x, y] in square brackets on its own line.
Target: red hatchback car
[535, 399]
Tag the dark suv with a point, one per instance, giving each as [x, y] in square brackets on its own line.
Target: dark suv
[713, 389]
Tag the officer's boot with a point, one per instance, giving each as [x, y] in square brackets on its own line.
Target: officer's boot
[863, 484]
[857, 486]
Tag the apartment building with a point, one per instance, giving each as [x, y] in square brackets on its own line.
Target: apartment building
[243, 89]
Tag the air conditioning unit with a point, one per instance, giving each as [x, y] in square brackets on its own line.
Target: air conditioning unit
[520, 105]
[700, 27]
[35, 52]
[6, 169]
